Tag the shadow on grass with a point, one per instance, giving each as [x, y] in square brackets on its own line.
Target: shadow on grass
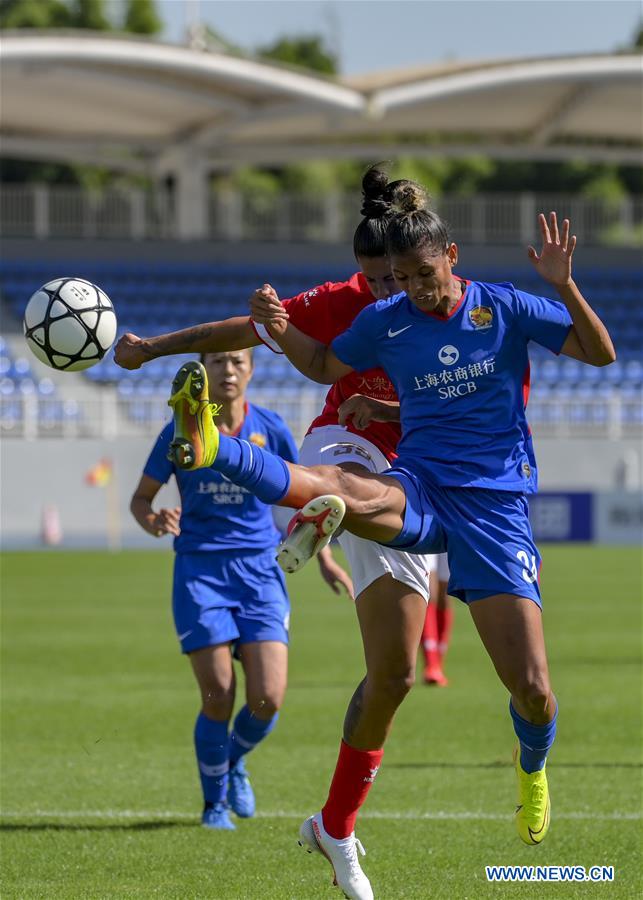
[112, 826]
[502, 764]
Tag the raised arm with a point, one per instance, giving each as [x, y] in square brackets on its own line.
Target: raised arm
[236, 333]
[588, 339]
[314, 359]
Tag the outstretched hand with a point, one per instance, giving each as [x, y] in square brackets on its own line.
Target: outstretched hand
[266, 309]
[554, 263]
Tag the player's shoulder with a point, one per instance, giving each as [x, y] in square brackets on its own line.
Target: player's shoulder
[353, 289]
[492, 292]
[380, 313]
[266, 418]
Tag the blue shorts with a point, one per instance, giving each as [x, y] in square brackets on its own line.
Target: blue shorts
[486, 534]
[229, 596]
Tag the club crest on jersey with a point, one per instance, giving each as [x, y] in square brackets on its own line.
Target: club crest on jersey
[481, 317]
[257, 438]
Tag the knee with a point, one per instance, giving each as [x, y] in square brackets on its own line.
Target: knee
[217, 702]
[391, 687]
[535, 697]
[265, 705]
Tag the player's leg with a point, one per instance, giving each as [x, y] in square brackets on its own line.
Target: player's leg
[213, 670]
[437, 626]
[265, 666]
[374, 505]
[494, 566]
[262, 621]
[390, 614]
[443, 608]
[429, 641]
[511, 630]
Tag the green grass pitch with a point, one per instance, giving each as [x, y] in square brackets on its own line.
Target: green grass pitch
[99, 786]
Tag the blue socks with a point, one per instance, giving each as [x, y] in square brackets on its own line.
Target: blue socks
[262, 473]
[247, 732]
[212, 747]
[535, 740]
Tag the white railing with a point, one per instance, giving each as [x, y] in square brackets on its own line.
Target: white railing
[42, 211]
[111, 416]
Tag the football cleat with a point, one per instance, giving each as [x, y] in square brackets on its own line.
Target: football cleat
[533, 810]
[196, 437]
[241, 798]
[216, 815]
[434, 675]
[341, 854]
[309, 531]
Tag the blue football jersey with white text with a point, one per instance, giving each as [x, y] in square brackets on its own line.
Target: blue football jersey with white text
[216, 514]
[462, 381]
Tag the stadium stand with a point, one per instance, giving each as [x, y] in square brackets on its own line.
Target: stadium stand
[155, 297]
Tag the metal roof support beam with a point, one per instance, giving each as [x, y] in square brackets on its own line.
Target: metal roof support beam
[191, 196]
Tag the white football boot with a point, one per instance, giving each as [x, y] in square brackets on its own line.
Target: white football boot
[309, 531]
[341, 854]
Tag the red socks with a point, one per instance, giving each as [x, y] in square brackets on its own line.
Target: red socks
[354, 775]
[430, 638]
[444, 620]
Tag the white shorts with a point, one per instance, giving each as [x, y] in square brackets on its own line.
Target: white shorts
[439, 562]
[331, 445]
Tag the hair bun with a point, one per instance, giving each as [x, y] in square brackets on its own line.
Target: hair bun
[407, 196]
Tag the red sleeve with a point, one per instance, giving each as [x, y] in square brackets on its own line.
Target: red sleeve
[312, 312]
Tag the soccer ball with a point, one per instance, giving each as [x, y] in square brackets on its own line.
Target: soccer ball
[69, 324]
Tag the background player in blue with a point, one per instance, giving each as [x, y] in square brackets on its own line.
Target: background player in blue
[456, 352]
[227, 589]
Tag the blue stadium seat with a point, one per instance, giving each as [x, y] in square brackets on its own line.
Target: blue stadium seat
[152, 297]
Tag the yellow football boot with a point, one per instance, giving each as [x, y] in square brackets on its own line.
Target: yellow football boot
[196, 437]
[533, 810]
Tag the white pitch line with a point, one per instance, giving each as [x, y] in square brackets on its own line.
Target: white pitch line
[436, 815]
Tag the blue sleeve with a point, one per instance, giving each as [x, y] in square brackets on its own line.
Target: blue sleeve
[283, 441]
[357, 346]
[158, 466]
[547, 322]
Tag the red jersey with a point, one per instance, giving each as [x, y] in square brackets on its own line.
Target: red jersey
[323, 313]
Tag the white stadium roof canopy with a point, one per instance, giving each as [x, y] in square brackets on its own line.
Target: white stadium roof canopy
[139, 105]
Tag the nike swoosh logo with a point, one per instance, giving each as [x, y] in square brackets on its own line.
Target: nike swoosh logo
[185, 634]
[399, 331]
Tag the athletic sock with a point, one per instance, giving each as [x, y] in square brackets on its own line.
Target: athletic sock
[262, 473]
[535, 740]
[211, 746]
[444, 621]
[354, 774]
[247, 732]
[430, 638]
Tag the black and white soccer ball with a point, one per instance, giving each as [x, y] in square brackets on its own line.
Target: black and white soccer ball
[69, 324]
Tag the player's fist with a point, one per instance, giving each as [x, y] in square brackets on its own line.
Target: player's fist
[128, 352]
[266, 307]
[166, 521]
[363, 410]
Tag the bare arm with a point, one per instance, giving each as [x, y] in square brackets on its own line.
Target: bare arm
[312, 358]
[236, 333]
[588, 339]
[165, 521]
[333, 574]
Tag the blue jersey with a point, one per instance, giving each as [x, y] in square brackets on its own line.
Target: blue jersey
[462, 381]
[216, 514]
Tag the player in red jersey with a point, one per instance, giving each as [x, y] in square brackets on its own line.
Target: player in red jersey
[391, 586]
